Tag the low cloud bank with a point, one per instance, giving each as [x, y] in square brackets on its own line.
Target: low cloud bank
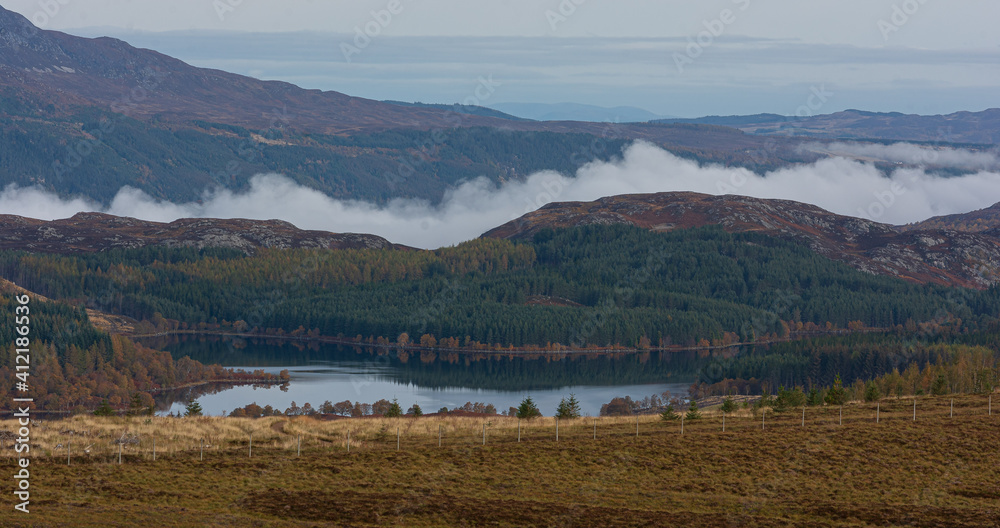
[841, 185]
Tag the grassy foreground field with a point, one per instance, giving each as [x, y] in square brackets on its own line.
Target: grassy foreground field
[936, 471]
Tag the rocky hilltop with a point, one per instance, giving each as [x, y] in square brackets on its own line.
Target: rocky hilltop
[921, 255]
[89, 232]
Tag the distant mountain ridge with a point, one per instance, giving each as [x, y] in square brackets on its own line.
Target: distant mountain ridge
[959, 127]
[925, 256]
[972, 222]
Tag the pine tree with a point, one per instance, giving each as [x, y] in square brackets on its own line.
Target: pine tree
[568, 408]
[394, 410]
[692, 413]
[104, 409]
[528, 410]
[193, 409]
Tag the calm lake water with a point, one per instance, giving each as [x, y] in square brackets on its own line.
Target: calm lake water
[321, 372]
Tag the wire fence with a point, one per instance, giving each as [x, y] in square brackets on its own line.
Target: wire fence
[293, 437]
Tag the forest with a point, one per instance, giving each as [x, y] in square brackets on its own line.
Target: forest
[801, 319]
[74, 366]
[592, 286]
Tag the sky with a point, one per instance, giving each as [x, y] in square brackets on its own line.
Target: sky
[680, 58]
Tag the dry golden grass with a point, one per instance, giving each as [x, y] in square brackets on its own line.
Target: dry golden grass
[935, 471]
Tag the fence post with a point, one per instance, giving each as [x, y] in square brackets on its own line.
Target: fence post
[595, 428]
[397, 439]
[348, 440]
[841, 415]
[763, 413]
[154, 448]
[67, 453]
[803, 416]
[120, 451]
[202, 449]
[914, 408]
[484, 433]
[952, 413]
[682, 424]
[251, 446]
[877, 408]
[990, 406]
[298, 445]
[723, 421]
[557, 428]
[439, 434]
[637, 426]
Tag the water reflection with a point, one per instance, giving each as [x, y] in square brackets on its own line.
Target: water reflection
[432, 379]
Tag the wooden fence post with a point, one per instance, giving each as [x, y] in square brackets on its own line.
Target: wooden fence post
[595, 428]
[877, 408]
[439, 434]
[298, 445]
[67, 453]
[484, 433]
[952, 413]
[841, 415]
[154, 448]
[763, 412]
[202, 449]
[723, 421]
[682, 425]
[397, 439]
[348, 440]
[251, 446]
[557, 428]
[914, 408]
[803, 416]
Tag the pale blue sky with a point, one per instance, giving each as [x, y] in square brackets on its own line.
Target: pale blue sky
[767, 56]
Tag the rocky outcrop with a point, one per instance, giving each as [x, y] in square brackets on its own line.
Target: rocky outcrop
[88, 232]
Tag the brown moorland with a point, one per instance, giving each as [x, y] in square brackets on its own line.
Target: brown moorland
[938, 470]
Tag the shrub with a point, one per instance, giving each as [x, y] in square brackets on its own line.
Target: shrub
[415, 410]
[728, 405]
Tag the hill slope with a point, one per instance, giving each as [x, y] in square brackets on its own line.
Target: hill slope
[928, 256]
[92, 232]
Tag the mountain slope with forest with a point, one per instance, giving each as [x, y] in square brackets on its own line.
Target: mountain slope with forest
[927, 256]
